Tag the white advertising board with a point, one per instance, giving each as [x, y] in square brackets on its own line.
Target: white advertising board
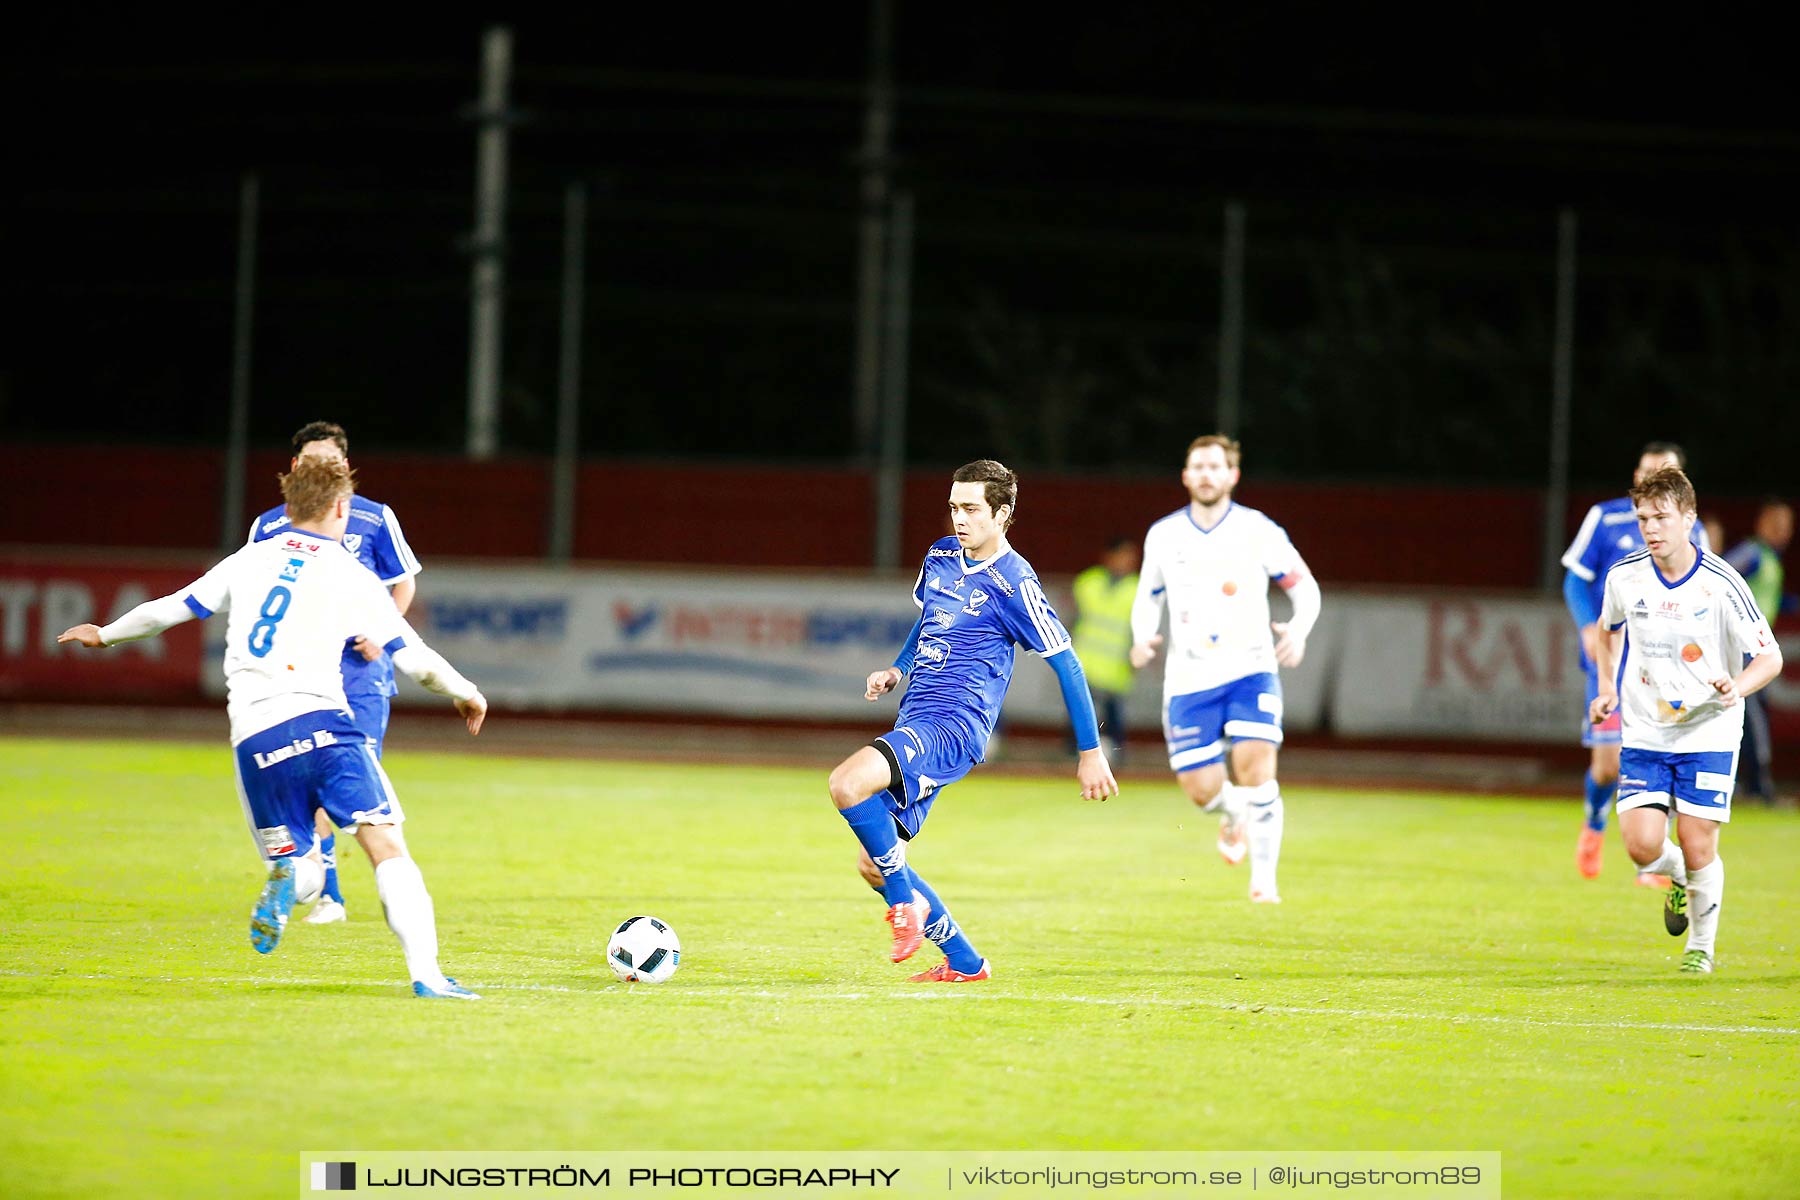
[785, 646]
[1457, 666]
[797, 646]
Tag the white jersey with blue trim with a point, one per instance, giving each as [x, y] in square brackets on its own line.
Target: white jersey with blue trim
[373, 536]
[1609, 533]
[1215, 584]
[291, 601]
[1679, 636]
[972, 615]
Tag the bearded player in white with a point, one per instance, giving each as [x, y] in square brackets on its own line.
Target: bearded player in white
[1211, 563]
[1694, 645]
[293, 602]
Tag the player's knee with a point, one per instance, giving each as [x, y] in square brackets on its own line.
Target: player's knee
[1643, 836]
[1253, 763]
[1699, 842]
[848, 786]
[381, 842]
[841, 788]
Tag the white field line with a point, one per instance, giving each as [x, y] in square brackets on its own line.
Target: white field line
[968, 995]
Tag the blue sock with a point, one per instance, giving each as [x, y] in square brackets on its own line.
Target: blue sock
[1599, 799]
[942, 930]
[873, 826]
[328, 848]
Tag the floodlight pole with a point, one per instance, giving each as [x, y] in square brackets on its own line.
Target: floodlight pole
[237, 436]
[1231, 318]
[568, 397]
[1562, 387]
[487, 245]
[890, 476]
[874, 160]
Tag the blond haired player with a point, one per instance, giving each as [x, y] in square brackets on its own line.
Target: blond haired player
[291, 603]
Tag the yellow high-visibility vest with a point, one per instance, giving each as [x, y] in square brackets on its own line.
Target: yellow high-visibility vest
[1102, 632]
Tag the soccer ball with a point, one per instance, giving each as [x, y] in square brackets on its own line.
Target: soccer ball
[643, 950]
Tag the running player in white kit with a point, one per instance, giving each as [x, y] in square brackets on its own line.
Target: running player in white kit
[1681, 644]
[292, 603]
[1211, 563]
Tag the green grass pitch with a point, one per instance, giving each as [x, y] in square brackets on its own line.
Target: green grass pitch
[1438, 978]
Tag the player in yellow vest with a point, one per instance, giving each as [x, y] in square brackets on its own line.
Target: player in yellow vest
[1102, 634]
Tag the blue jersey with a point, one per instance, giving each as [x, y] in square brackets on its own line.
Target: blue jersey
[971, 616]
[374, 537]
[1608, 533]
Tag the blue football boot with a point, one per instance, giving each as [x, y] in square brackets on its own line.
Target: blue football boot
[269, 919]
[453, 991]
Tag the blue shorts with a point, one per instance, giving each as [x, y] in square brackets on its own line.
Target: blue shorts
[1196, 725]
[316, 760]
[370, 711]
[1607, 732]
[927, 758]
[1699, 783]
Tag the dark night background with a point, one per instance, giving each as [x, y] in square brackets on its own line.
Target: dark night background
[1402, 181]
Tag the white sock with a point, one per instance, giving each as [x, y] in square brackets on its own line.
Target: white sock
[1265, 813]
[410, 915]
[1670, 863]
[1229, 801]
[309, 880]
[1706, 892]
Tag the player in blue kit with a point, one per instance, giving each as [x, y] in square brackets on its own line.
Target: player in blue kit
[977, 599]
[374, 538]
[1607, 534]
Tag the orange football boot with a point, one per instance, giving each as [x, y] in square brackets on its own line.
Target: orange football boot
[1589, 852]
[908, 923]
[944, 973]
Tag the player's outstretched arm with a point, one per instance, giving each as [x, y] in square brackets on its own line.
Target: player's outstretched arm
[429, 670]
[146, 620]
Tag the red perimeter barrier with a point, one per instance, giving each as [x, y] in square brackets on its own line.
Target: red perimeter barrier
[736, 515]
[42, 596]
